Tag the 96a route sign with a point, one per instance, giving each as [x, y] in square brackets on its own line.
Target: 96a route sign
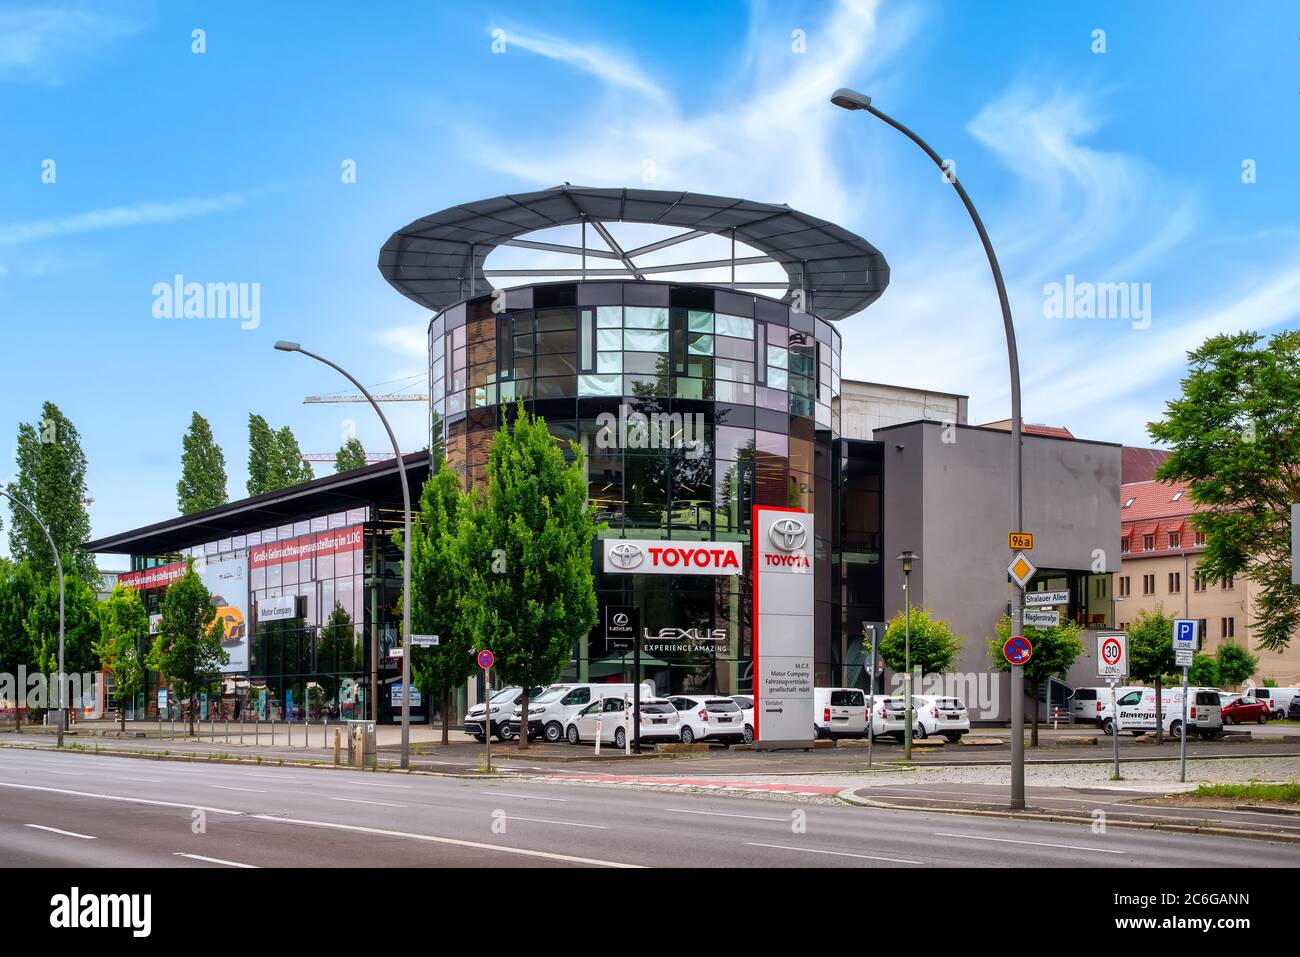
[1020, 541]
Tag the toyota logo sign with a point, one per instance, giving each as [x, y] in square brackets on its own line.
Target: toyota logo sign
[788, 534]
[625, 555]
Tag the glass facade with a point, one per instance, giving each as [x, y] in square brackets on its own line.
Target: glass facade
[345, 577]
[691, 405]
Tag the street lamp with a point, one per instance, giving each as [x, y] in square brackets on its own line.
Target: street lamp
[853, 100]
[58, 565]
[284, 346]
[907, 558]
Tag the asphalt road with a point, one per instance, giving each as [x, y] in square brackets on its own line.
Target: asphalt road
[95, 810]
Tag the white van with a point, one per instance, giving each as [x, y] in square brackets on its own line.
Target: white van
[552, 711]
[1277, 699]
[1137, 711]
[1092, 706]
[839, 713]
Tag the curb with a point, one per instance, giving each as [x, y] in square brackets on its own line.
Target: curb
[849, 797]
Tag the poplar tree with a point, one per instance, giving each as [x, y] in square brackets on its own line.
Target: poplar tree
[274, 458]
[52, 480]
[203, 469]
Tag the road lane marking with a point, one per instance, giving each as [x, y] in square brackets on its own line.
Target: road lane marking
[476, 845]
[55, 830]
[539, 820]
[528, 797]
[71, 774]
[372, 784]
[813, 850]
[359, 801]
[228, 787]
[747, 817]
[119, 797]
[1007, 840]
[214, 860]
[150, 780]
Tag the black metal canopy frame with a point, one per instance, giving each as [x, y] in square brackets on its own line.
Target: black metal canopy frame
[437, 260]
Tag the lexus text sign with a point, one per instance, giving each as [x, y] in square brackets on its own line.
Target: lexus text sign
[783, 625]
[630, 556]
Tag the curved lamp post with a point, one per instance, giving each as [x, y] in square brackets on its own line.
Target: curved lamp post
[58, 564]
[284, 346]
[853, 100]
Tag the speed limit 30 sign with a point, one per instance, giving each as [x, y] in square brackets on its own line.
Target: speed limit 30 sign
[1112, 656]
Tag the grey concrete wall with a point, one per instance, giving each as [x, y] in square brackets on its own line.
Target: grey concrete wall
[948, 497]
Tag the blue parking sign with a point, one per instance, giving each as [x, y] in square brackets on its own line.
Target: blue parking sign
[1185, 634]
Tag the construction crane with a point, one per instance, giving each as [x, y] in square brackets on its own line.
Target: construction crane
[379, 397]
[332, 456]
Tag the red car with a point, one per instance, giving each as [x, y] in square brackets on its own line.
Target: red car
[1243, 709]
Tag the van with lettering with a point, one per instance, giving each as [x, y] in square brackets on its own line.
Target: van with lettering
[1137, 711]
[1092, 706]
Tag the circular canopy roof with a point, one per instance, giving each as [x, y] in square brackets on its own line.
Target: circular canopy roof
[438, 260]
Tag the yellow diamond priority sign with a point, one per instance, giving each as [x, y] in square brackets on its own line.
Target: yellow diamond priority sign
[1021, 570]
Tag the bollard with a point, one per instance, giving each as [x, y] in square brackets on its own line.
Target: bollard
[338, 745]
[288, 729]
[272, 732]
[598, 726]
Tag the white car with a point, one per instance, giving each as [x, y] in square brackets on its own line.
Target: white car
[945, 716]
[889, 719]
[503, 704]
[839, 713]
[708, 717]
[1137, 711]
[658, 721]
[746, 702]
[607, 717]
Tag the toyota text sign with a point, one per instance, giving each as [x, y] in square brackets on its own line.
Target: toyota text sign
[629, 556]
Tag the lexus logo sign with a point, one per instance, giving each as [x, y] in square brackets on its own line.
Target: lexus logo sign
[788, 534]
[625, 555]
[620, 620]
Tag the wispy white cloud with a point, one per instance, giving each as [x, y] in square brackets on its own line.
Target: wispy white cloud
[50, 41]
[612, 68]
[117, 217]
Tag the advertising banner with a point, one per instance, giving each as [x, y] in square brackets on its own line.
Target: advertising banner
[783, 625]
[228, 583]
[307, 546]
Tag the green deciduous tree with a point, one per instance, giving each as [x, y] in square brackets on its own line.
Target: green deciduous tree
[1233, 663]
[188, 648]
[274, 458]
[203, 469]
[445, 545]
[934, 646]
[1151, 653]
[80, 629]
[1055, 650]
[1203, 672]
[1235, 436]
[535, 599]
[123, 632]
[351, 455]
[18, 586]
[52, 480]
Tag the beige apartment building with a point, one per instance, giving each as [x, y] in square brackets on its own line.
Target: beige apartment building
[1159, 550]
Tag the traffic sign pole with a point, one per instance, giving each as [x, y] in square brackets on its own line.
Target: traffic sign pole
[485, 661]
[1114, 724]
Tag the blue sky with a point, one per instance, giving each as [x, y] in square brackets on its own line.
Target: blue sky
[1116, 166]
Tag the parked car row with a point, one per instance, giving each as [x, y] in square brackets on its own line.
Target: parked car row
[843, 713]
